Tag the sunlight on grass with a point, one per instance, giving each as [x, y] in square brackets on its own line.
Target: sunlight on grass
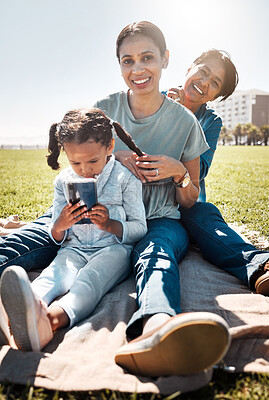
[238, 184]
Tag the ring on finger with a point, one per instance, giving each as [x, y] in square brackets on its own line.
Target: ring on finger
[157, 171]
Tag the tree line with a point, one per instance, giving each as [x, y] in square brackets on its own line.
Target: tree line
[245, 134]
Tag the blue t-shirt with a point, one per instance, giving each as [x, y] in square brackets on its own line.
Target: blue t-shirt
[211, 123]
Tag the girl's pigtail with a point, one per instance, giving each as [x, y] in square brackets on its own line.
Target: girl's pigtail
[126, 138]
[54, 148]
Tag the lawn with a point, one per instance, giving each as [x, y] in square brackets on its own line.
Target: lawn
[238, 183]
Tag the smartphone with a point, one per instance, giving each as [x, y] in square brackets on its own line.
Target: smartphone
[83, 192]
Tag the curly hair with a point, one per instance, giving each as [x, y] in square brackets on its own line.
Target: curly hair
[84, 125]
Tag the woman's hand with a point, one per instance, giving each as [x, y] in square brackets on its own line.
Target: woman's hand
[128, 159]
[177, 94]
[162, 167]
[99, 216]
[154, 168]
[67, 218]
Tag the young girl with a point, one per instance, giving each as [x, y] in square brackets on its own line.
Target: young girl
[93, 257]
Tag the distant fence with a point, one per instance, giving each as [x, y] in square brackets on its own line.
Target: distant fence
[22, 147]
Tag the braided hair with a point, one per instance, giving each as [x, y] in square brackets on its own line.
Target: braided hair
[83, 125]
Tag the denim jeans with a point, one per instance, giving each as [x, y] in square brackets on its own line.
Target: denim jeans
[83, 277]
[155, 261]
[29, 247]
[220, 244]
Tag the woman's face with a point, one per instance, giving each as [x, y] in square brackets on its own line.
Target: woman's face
[204, 81]
[141, 64]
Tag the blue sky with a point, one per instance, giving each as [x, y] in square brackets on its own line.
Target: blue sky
[60, 54]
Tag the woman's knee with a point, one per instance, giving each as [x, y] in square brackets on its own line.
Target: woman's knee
[162, 255]
[201, 212]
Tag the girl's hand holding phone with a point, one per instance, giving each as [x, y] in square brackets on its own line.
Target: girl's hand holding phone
[99, 216]
[67, 218]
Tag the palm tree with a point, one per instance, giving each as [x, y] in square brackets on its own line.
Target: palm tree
[223, 134]
[265, 132]
[248, 130]
[237, 132]
[253, 134]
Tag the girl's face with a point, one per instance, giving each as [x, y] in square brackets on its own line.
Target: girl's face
[204, 81]
[88, 159]
[141, 64]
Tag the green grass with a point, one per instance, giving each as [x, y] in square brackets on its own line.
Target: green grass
[26, 186]
[223, 386]
[238, 183]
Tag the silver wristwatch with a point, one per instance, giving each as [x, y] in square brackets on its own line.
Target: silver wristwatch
[184, 181]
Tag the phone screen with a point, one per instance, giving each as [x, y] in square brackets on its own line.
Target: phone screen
[85, 193]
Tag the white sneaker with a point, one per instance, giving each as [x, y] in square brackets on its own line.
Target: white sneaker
[4, 327]
[186, 344]
[29, 323]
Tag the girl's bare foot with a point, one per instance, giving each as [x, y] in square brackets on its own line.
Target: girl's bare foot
[11, 222]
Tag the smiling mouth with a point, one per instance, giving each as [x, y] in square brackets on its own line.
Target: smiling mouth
[198, 89]
[141, 81]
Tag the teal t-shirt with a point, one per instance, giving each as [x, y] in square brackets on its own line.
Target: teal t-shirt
[172, 130]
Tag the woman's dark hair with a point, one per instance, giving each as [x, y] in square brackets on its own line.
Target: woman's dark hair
[81, 126]
[144, 28]
[231, 75]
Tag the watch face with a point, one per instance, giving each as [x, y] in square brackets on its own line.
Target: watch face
[186, 181]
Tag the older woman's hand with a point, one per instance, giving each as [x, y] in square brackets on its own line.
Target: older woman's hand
[154, 168]
[177, 94]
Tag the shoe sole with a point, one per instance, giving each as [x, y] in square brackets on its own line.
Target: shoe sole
[4, 329]
[18, 300]
[262, 286]
[183, 350]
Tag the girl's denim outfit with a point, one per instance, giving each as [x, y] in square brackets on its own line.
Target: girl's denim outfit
[91, 261]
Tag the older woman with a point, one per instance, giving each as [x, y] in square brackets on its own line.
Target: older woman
[204, 223]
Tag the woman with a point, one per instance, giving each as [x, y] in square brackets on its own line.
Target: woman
[143, 106]
[211, 76]
[218, 243]
[171, 179]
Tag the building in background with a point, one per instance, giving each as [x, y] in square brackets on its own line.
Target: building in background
[243, 107]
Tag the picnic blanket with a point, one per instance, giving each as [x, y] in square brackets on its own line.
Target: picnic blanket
[82, 358]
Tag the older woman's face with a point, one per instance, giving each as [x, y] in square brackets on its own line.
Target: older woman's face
[141, 64]
[204, 81]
